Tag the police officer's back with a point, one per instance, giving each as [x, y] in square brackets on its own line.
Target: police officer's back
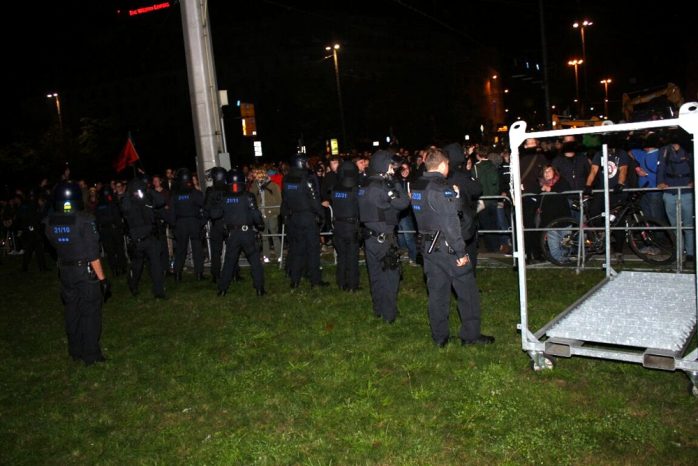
[345, 205]
[302, 212]
[241, 221]
[212, 207]
[186, 214]
[446, 264]
[73, 233]
[138, 206]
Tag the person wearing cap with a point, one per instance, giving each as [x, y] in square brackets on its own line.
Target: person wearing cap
[447, 267]
[573, 167]
[381, 200]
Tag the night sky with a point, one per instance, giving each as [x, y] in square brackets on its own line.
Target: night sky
[63, 46]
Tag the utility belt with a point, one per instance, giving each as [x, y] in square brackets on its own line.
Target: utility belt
[346, 219]
[74, 263]
[230, 227]
[687, 175]
[380, 237]
[78, 264]
[144, 238]
[428, 238]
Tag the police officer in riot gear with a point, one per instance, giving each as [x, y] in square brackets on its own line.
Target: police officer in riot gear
[345, 206]
[213, 202]
[241, 220]
[380, 201]
[111, 229]
[447, 266]
[73, 233]
[186, 204]
[138, 206]
[303, 215]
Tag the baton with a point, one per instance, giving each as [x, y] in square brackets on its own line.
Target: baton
[433, 241]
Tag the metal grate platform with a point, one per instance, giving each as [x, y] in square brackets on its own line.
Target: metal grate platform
[638, 309]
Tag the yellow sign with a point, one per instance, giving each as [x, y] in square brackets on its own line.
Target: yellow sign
[334, 147]
[249, 126]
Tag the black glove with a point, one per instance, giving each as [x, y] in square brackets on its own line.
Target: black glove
[618, 188]
[587, 191]
[392, 192]
[105, 288]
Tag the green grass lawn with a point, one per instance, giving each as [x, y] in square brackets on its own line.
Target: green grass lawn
[311, 377]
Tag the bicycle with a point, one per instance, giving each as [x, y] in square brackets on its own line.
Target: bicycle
[654, 245]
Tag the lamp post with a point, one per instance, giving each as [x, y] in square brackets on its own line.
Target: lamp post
[576, 62]
[582, 25]
[54, 95]
[334, 49]
[605, 83]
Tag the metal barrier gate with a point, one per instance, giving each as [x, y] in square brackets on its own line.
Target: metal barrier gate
[652, 325]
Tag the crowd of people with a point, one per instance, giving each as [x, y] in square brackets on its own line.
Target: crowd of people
[433, 208]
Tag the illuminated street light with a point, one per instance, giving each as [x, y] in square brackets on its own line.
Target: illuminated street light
[605, 83]
[576, 62]
[54, 95]
[334, 49]
[582, 25]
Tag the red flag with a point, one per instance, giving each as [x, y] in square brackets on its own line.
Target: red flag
[128, 156]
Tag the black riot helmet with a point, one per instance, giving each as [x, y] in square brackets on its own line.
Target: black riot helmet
[381, 161]
[300, 161]
[348, 174]
[237, 181]
[218, 175]
[183, 177]
[136, 188]
[67, 197]
[105, 195]
[456, 155]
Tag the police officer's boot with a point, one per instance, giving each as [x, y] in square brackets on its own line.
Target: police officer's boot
[200, 276]
[178, 277]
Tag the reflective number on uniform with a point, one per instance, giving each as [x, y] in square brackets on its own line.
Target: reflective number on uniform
[361, 192]
[232, 200]
[341, 195]
[417, 196]
[292, 186]
[449, 194]
[183, 197]
[416, 207]
[61, 229]
[62, 239]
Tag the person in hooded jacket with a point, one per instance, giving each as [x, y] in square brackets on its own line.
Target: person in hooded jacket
[381, 200]
[470, 191]
[345, 205]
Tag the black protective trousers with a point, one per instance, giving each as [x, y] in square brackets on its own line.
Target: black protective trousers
[82, 299]
[443, 277]
[245, 241]
[188, 229]
[385, 282]
[346, 244]
[147, 249]
[303, 248]
[112, 239]
[217, 239]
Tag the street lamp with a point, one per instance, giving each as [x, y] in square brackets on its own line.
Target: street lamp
[605, 83]
[334, 49]
[582, 25]
[576, 62]
[54, 95]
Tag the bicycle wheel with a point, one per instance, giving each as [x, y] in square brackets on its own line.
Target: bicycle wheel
[560, 243]
[657, 247]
